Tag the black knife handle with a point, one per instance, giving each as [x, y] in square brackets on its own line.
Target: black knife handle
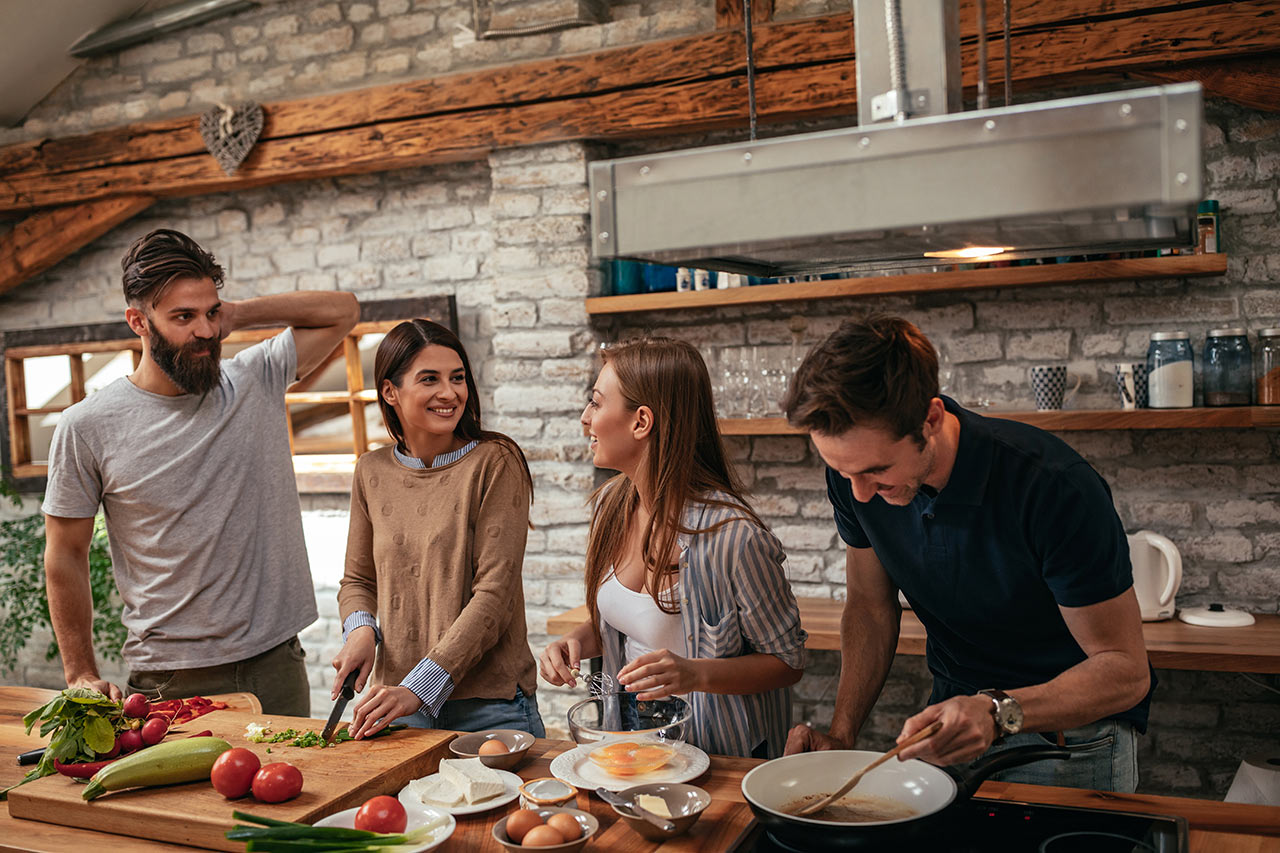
[31, 756]
[349, 685]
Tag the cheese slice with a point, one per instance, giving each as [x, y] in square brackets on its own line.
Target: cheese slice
[470, 776]
[650, 803]
[437, 791]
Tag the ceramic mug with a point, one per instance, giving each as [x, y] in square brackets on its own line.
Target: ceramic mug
[1049, 384]
[1131, 384]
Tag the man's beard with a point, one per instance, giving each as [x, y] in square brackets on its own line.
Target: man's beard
[193, 374]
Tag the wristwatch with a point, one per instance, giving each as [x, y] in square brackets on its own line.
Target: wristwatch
[1005, 711]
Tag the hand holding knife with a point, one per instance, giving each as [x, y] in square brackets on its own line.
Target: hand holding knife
[347, 693]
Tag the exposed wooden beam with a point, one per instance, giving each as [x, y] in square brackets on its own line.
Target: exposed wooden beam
[1190, 30]
[1253, 80]
[729, 13]
[45, 238]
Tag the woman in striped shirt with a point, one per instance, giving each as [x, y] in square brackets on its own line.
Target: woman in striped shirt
[685, 583]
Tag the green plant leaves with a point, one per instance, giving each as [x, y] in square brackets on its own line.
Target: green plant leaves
[99, 734]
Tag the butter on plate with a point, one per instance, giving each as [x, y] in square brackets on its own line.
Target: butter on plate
[472, 778]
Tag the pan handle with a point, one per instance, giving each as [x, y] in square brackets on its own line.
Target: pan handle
[971, 778]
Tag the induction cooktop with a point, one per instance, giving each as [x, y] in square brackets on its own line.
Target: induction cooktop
[1002, 826]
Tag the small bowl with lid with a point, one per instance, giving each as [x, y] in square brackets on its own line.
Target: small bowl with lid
[546, 792]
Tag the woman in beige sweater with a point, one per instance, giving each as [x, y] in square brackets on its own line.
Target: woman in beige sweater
[432, 602]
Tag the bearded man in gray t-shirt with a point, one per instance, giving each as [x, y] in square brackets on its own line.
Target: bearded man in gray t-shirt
[189, 459]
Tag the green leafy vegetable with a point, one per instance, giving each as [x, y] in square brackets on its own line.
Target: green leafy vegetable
[82, 723]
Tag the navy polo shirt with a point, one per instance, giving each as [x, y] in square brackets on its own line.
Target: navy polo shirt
[1022, 526]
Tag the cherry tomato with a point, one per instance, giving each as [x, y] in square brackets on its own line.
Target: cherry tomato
[277, 782]
[232, 774]
[382, 814]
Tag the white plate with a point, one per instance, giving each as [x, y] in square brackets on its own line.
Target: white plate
[419, 815]
[576, 768]
[510, 781]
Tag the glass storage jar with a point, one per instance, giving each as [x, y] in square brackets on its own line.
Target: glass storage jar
[1269, 367]
[1169, 371]
[1228, 368]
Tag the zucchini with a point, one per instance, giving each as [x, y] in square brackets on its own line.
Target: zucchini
[186, 760]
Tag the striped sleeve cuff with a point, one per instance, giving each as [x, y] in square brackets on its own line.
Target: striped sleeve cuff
[358, 619]
[430, 682]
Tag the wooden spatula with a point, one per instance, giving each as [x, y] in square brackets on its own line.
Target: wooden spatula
[927, 731]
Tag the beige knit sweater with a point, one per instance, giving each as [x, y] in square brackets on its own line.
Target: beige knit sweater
[435, 554]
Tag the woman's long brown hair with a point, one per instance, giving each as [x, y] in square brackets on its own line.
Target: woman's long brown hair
[396, 354]
[685, 461]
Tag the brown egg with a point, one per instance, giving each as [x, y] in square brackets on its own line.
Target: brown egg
[520, 822]
[564, 824]
[492, 747]
[542, 836]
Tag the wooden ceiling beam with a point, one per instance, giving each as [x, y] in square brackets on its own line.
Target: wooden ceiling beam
[809, 41]
[1253, 80]
[45, 238]
[729, 13]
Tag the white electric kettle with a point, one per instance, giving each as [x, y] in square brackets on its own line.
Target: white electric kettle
[1157, 573]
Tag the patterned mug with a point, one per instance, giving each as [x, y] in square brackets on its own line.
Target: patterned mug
[1049, 384]
[1131, 384]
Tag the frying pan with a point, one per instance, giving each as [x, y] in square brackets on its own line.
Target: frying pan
[933, 792]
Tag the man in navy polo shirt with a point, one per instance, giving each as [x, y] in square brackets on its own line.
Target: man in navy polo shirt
[1006, 544]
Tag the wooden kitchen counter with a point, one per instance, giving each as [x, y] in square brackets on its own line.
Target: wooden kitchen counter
[1171, 644]
[1215, 826]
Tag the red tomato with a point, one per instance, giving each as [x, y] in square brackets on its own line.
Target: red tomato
[232, 773]
[382, 814]
[277, 782]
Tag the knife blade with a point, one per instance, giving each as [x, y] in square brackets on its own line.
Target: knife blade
[347, 693]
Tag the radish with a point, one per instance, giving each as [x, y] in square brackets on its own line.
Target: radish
[153, 730]
[136, 705]
[130, 740]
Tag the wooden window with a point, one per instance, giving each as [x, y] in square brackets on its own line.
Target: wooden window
[333, 412]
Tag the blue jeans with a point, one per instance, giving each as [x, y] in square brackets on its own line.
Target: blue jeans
[476, 715]
[1104, 758]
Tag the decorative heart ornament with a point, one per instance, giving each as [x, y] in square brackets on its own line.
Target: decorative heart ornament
[230, 134]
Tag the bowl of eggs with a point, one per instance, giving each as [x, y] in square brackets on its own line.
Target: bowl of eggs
[501, 749]
[561, 830]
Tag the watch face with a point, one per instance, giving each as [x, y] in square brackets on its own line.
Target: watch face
[1009, 716]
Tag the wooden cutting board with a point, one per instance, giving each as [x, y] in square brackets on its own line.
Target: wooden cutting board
[335, 778]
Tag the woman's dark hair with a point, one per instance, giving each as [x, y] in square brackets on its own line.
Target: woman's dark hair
[394, 357]
[153, 262]
[881, 371]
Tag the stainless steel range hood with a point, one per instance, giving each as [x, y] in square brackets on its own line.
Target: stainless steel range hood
[1095, 173]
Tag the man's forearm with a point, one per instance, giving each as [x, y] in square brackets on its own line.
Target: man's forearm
[1095, 688]
[71, 610]
[868, 641]
[309, 309]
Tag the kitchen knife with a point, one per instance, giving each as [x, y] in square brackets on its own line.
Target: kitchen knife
[347, 694]
[630, 805]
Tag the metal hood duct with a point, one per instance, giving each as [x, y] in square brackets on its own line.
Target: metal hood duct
[1112, 172]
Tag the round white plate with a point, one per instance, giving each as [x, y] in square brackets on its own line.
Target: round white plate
[419, 815]
[510, 781]
[576, 768]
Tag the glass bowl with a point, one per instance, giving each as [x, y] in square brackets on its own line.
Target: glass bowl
[617, 715]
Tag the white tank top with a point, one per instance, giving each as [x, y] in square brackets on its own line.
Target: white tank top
[640, 620]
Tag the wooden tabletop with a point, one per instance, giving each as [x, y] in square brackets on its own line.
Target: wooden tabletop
[1171, 644]
[1215, 826]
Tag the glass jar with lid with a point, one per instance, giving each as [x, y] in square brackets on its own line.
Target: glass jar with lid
[1269, 367]
[1169, 370]
[1228, 368]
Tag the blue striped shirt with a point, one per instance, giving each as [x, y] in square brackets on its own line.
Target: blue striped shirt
[429, 681]
[734, 600]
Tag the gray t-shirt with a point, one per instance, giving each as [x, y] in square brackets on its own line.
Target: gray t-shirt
[201, 507]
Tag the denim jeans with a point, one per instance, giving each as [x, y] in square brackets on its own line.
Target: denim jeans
[476, 715]
[1104, 758]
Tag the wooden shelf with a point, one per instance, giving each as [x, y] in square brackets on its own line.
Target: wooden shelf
[1172, 644]
[1173, 266]
[1234, 417]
